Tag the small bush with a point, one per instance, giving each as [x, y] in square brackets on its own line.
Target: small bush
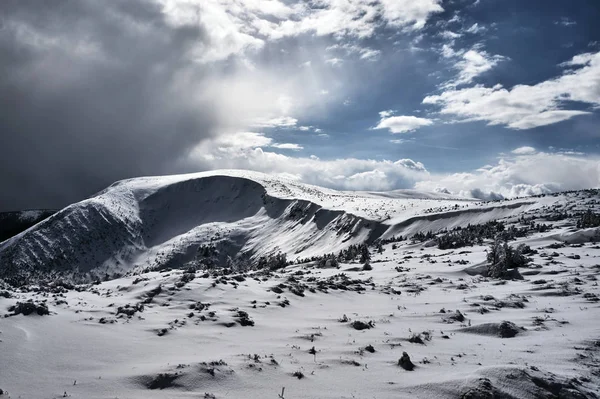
[416, 339]
[405, 362]
[361, 325]
[273, 262]
[244, 319]
[457, 316]
[588, 219]
[129, 310]
[29, 307]
[502, 258]
[298, 374]
[162, 381]
[508, 329]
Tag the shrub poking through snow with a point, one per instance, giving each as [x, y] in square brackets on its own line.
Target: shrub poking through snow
[185, 278]
[456, 316]
[162, 381]
[152, 293]
[416, 339]
[273, 262]
[370, 349]
[365, 255]
[483, 389]
[130, 310]
[162, 331]
[504, 259]
[588, 219]
[298, 374]
[277, 289]
[313, 352]
[476, 234]
[244, 319]
[405, 362]
[361, 325]
[29, 307]
[297, 289]
[508, 329]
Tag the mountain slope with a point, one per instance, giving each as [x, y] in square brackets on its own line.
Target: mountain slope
[12, 223]
[158, 222]
[153, 222]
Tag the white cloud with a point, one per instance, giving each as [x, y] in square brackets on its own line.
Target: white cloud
[525, 106]
[455, 19]
[364, 53]
[401, 124]
[237, 26]
[242, 140]
[287, 146]
[475, 28]
[334, 61]
[525, 174]
[282, 121]
[409, 12]
[236, 30]
[400, 141]
[472, 63]
[346, 174]
[525, 150]
[448, 51]
[450, 35]
[564, 21]
[370, 55]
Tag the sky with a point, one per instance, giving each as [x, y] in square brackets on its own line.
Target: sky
[482, 98]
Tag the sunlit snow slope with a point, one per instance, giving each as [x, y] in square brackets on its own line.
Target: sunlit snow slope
[157, 222]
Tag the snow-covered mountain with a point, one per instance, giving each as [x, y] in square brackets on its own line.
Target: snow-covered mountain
[428, 316]
[157, 222]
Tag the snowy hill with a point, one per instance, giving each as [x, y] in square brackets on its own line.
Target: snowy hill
[416, 316]
[158, 222]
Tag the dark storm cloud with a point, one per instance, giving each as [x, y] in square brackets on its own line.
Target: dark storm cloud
[88, 96]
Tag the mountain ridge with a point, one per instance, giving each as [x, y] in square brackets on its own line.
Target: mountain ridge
[157, 222]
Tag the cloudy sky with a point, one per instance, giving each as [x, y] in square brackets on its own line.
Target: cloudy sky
[485, 98]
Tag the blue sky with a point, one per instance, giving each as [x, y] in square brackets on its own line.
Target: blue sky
[530, 40]
[482, 98]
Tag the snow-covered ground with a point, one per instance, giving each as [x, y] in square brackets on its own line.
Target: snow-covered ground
[183, 332]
